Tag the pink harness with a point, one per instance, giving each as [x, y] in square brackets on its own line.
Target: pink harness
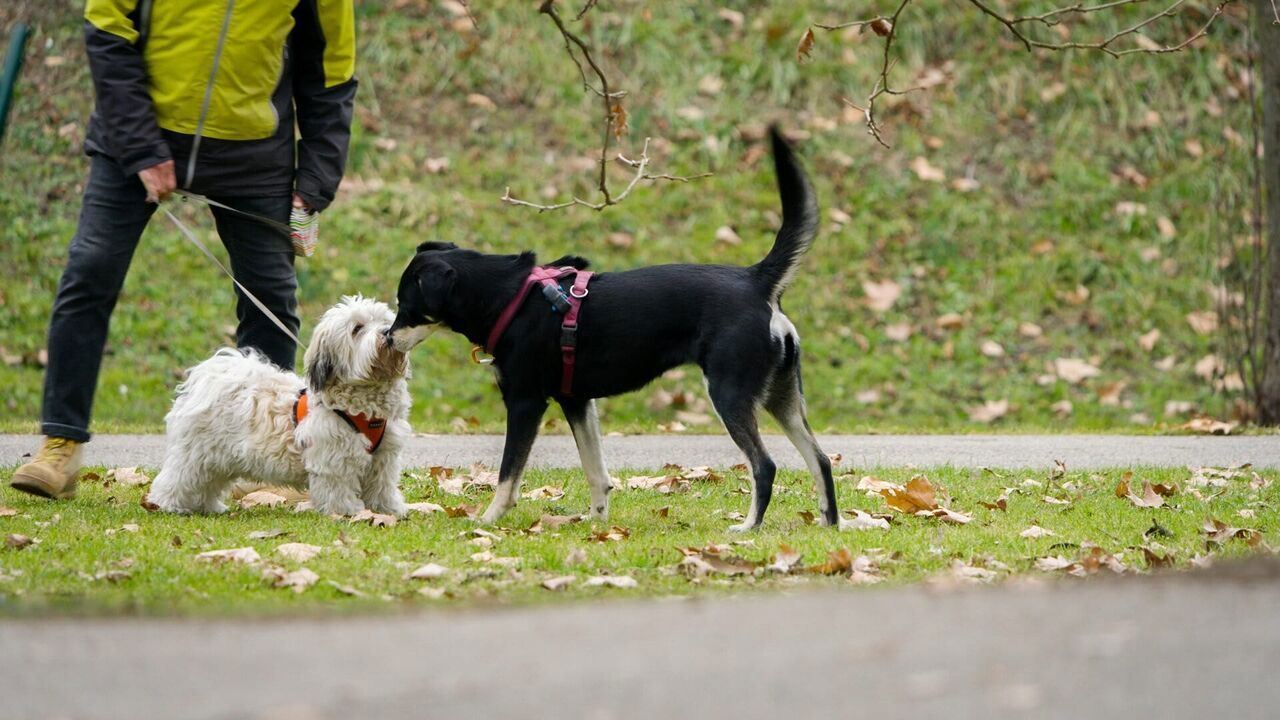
[570, 305]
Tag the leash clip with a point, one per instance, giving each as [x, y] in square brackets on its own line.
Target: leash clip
[475, 356]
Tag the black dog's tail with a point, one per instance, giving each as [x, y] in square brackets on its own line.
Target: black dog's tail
[799, 219]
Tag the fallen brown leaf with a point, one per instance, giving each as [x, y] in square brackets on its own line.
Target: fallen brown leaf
[430, 571]
[462, 511]
[882, 294]
[859, 520]
[613, 534]
[245, 555]
[785, 560]
[919, 494]
[263, 498]
[613, 581]
[1218, 533]
[373, 518]
[298, 552]
[298, 580]
[1074, 370]
[558, 583]
[546, 492]
[127, 476]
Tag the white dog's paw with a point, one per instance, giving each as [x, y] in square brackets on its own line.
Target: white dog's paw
[395, 507]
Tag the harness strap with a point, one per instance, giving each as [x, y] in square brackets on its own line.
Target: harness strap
[538, 274]
[373, 429]
[570, 305]
[569, 331]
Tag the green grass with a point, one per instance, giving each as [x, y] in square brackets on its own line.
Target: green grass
[80, 542]
[1049, 170]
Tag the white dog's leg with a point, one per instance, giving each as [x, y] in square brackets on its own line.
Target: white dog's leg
[182, 486]
[380, 488]
[335, 494]
[585, 424]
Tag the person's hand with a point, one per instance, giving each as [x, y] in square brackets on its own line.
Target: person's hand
[299, 203]
[159, 180]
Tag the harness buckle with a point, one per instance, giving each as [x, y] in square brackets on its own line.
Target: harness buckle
[568, 336]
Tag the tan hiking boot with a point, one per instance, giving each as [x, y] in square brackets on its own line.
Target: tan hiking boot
[53, 473]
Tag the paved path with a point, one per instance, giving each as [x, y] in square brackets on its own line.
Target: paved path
[1186, 646]
[648, 451]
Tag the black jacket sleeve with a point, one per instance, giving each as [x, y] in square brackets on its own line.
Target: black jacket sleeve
[324, 90]
[126, 116]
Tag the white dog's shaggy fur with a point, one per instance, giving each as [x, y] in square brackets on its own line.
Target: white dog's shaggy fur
[233, 418]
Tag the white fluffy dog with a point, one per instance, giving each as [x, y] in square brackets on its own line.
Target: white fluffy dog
[339, 434]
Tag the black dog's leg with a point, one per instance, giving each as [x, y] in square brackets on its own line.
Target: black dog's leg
[523, 418]
[786, 404]
[737, 409]
[585, 424]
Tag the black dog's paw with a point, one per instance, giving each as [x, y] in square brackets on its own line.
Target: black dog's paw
[574, 261]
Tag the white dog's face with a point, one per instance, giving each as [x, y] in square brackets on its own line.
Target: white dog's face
[349, 346]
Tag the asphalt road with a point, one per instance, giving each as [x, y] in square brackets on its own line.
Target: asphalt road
[1203, 645]
[648, 451]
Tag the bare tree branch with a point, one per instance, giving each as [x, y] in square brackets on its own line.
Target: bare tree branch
[887, 27]
[614, 122]
[1052, 18]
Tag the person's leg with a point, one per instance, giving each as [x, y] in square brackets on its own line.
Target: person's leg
[262, 260]
[113, 214]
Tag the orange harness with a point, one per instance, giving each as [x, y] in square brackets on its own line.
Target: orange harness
[372, 428]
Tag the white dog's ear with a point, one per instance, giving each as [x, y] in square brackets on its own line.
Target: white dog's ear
[320, 369]
[320, 361]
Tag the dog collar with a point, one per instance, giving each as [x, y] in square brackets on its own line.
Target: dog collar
[372, 428]
[570, 305]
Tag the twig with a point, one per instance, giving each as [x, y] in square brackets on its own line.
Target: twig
[613, 126]
[881, 86]
[466, 5]
[852, 23]
[641, 164]
[586, 7]
[1052, 18]
[887, 27]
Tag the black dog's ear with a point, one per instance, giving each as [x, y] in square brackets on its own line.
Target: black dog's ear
[435, 282]
[574, 261]
[433, 245]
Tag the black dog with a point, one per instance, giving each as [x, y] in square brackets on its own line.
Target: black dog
[635, 325]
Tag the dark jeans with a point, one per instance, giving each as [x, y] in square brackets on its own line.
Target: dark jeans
[112, 217]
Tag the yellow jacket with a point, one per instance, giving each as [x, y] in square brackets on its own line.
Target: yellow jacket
[236, 73]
